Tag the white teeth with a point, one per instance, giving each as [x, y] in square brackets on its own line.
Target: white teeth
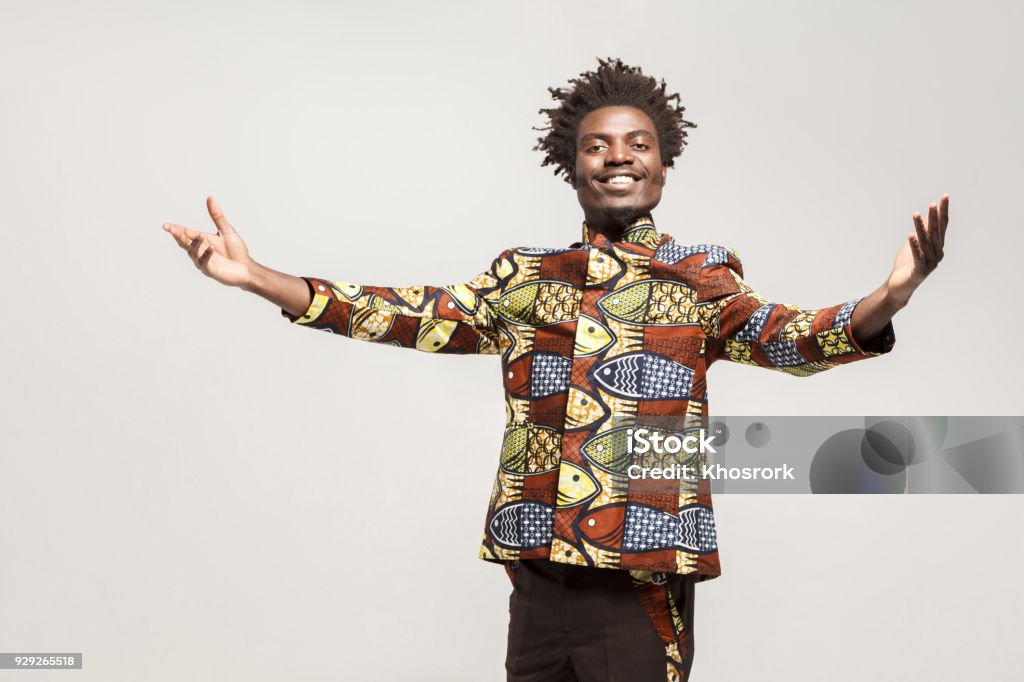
[620, 180]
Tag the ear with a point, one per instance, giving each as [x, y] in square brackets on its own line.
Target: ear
[664, 173]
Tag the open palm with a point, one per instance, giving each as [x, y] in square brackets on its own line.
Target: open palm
[221, 255]
[921, 252]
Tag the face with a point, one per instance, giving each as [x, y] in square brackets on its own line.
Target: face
[619, 173]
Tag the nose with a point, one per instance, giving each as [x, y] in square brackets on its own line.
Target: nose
[619, 153]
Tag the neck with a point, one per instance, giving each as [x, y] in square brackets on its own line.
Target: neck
[612, 224]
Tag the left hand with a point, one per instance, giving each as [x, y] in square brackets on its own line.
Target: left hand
[920, 254]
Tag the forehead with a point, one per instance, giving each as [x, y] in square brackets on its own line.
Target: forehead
[614, 121]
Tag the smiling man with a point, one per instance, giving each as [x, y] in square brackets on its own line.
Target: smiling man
[619, 171]
[593, 338]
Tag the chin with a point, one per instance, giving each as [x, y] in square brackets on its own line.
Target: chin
[624, 213]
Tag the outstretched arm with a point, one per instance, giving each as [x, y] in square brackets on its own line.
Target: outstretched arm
[449, 319]
[918, 257]
[224, 257]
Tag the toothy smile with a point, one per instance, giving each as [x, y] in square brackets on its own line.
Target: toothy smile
[620, 178]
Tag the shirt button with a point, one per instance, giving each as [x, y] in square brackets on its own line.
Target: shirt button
[599, 447]
[616, 301]
[506, 303]
[451, 305]
[510, 374]
[591, 522]
[321, 287]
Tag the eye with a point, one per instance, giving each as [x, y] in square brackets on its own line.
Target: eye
[593, 148]
[641, 146]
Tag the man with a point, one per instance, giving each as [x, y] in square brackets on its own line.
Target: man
[594, 338]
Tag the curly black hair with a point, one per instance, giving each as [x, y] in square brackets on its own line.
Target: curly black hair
[611, 84]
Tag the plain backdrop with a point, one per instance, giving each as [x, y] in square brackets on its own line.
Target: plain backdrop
[191, 488]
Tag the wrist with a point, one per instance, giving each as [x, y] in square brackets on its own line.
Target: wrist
[253, 279]
[894, 299]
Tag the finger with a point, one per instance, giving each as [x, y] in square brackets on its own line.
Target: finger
[181, 234]
[188, 232]
[223, 226]
[940, 229]
[915, 249]
[204, 259]
[199, 246]
[943, 218]
[177, 233]
[932, 245]
[927, 239]
[920, 239]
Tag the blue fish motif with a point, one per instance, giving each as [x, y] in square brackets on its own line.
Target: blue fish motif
[648, 528]
[645, 376]
[671, 252]
[549, 375]
[697, 529]
[523, 525]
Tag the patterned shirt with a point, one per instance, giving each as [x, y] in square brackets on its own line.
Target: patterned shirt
[593, 339]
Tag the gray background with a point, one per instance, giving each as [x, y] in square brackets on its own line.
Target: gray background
[191, 488]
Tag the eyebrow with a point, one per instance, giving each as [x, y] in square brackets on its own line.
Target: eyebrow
[605, 136]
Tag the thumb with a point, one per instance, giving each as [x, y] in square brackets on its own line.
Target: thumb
[223, 226]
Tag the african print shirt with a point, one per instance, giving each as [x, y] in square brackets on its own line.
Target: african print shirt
[594, 338]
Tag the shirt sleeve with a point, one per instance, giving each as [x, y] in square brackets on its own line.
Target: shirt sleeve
[457, 318]
[744, 327]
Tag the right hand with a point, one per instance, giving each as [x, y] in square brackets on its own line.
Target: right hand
[222, 256]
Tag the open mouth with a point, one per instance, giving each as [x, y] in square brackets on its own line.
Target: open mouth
[623, 180]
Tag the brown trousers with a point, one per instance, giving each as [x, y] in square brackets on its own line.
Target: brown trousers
[581, 624]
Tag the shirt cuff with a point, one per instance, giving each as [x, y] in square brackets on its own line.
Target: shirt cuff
[879, 344]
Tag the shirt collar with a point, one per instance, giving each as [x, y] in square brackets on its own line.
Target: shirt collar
[640, 231]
